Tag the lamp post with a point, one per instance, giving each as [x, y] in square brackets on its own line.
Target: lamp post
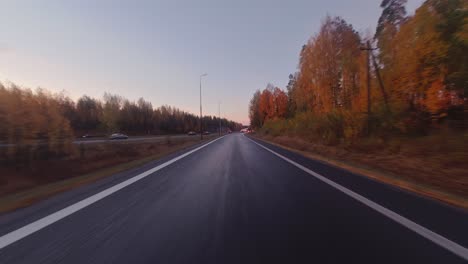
[201, 116]
[219, 117]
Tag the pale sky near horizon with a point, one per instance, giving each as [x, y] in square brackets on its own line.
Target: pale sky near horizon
[158, 49]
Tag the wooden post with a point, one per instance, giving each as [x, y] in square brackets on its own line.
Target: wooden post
[368, 89]
[382, 88]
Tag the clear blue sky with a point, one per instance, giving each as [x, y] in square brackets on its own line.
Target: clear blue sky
[158, 49]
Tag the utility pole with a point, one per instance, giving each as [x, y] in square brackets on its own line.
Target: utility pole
[368, 49]
[382, 88]
[368, 89]
[201, 116]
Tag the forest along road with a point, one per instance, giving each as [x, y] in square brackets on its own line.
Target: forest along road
[235, 200]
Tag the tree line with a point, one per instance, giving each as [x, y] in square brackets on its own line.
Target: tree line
[410, 77]
[117, 114]
[27, 117]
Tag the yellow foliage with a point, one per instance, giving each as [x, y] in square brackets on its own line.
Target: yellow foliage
[27, 118]
[438, 99]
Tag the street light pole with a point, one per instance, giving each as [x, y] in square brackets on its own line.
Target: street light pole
[219, 117]
[201, 116]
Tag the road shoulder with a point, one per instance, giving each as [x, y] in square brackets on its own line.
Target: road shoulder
[379, 175]
[89, 181]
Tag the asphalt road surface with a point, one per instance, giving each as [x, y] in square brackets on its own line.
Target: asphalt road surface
[235, 201]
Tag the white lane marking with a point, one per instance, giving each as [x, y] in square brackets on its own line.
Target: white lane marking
[52, 218]
[428, 234]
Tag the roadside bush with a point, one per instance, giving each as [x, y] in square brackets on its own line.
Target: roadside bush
[276, 127]
[331, 128]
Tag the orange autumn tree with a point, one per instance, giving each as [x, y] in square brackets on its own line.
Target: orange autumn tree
[254, 110]
[269, 104]
[418, 74]
[329, 69]
[431, 61]
[280, 102]
[265, 105]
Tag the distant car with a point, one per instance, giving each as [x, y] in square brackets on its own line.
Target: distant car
[86, 136]
[191, 133]
[206, 133]
[118, 136]
[229, 131]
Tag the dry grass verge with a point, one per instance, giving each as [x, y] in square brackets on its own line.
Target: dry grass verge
[441, 175]
[22, 187]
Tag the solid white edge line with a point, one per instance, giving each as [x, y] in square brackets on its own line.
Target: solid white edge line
[428, 234]
[37, 225]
